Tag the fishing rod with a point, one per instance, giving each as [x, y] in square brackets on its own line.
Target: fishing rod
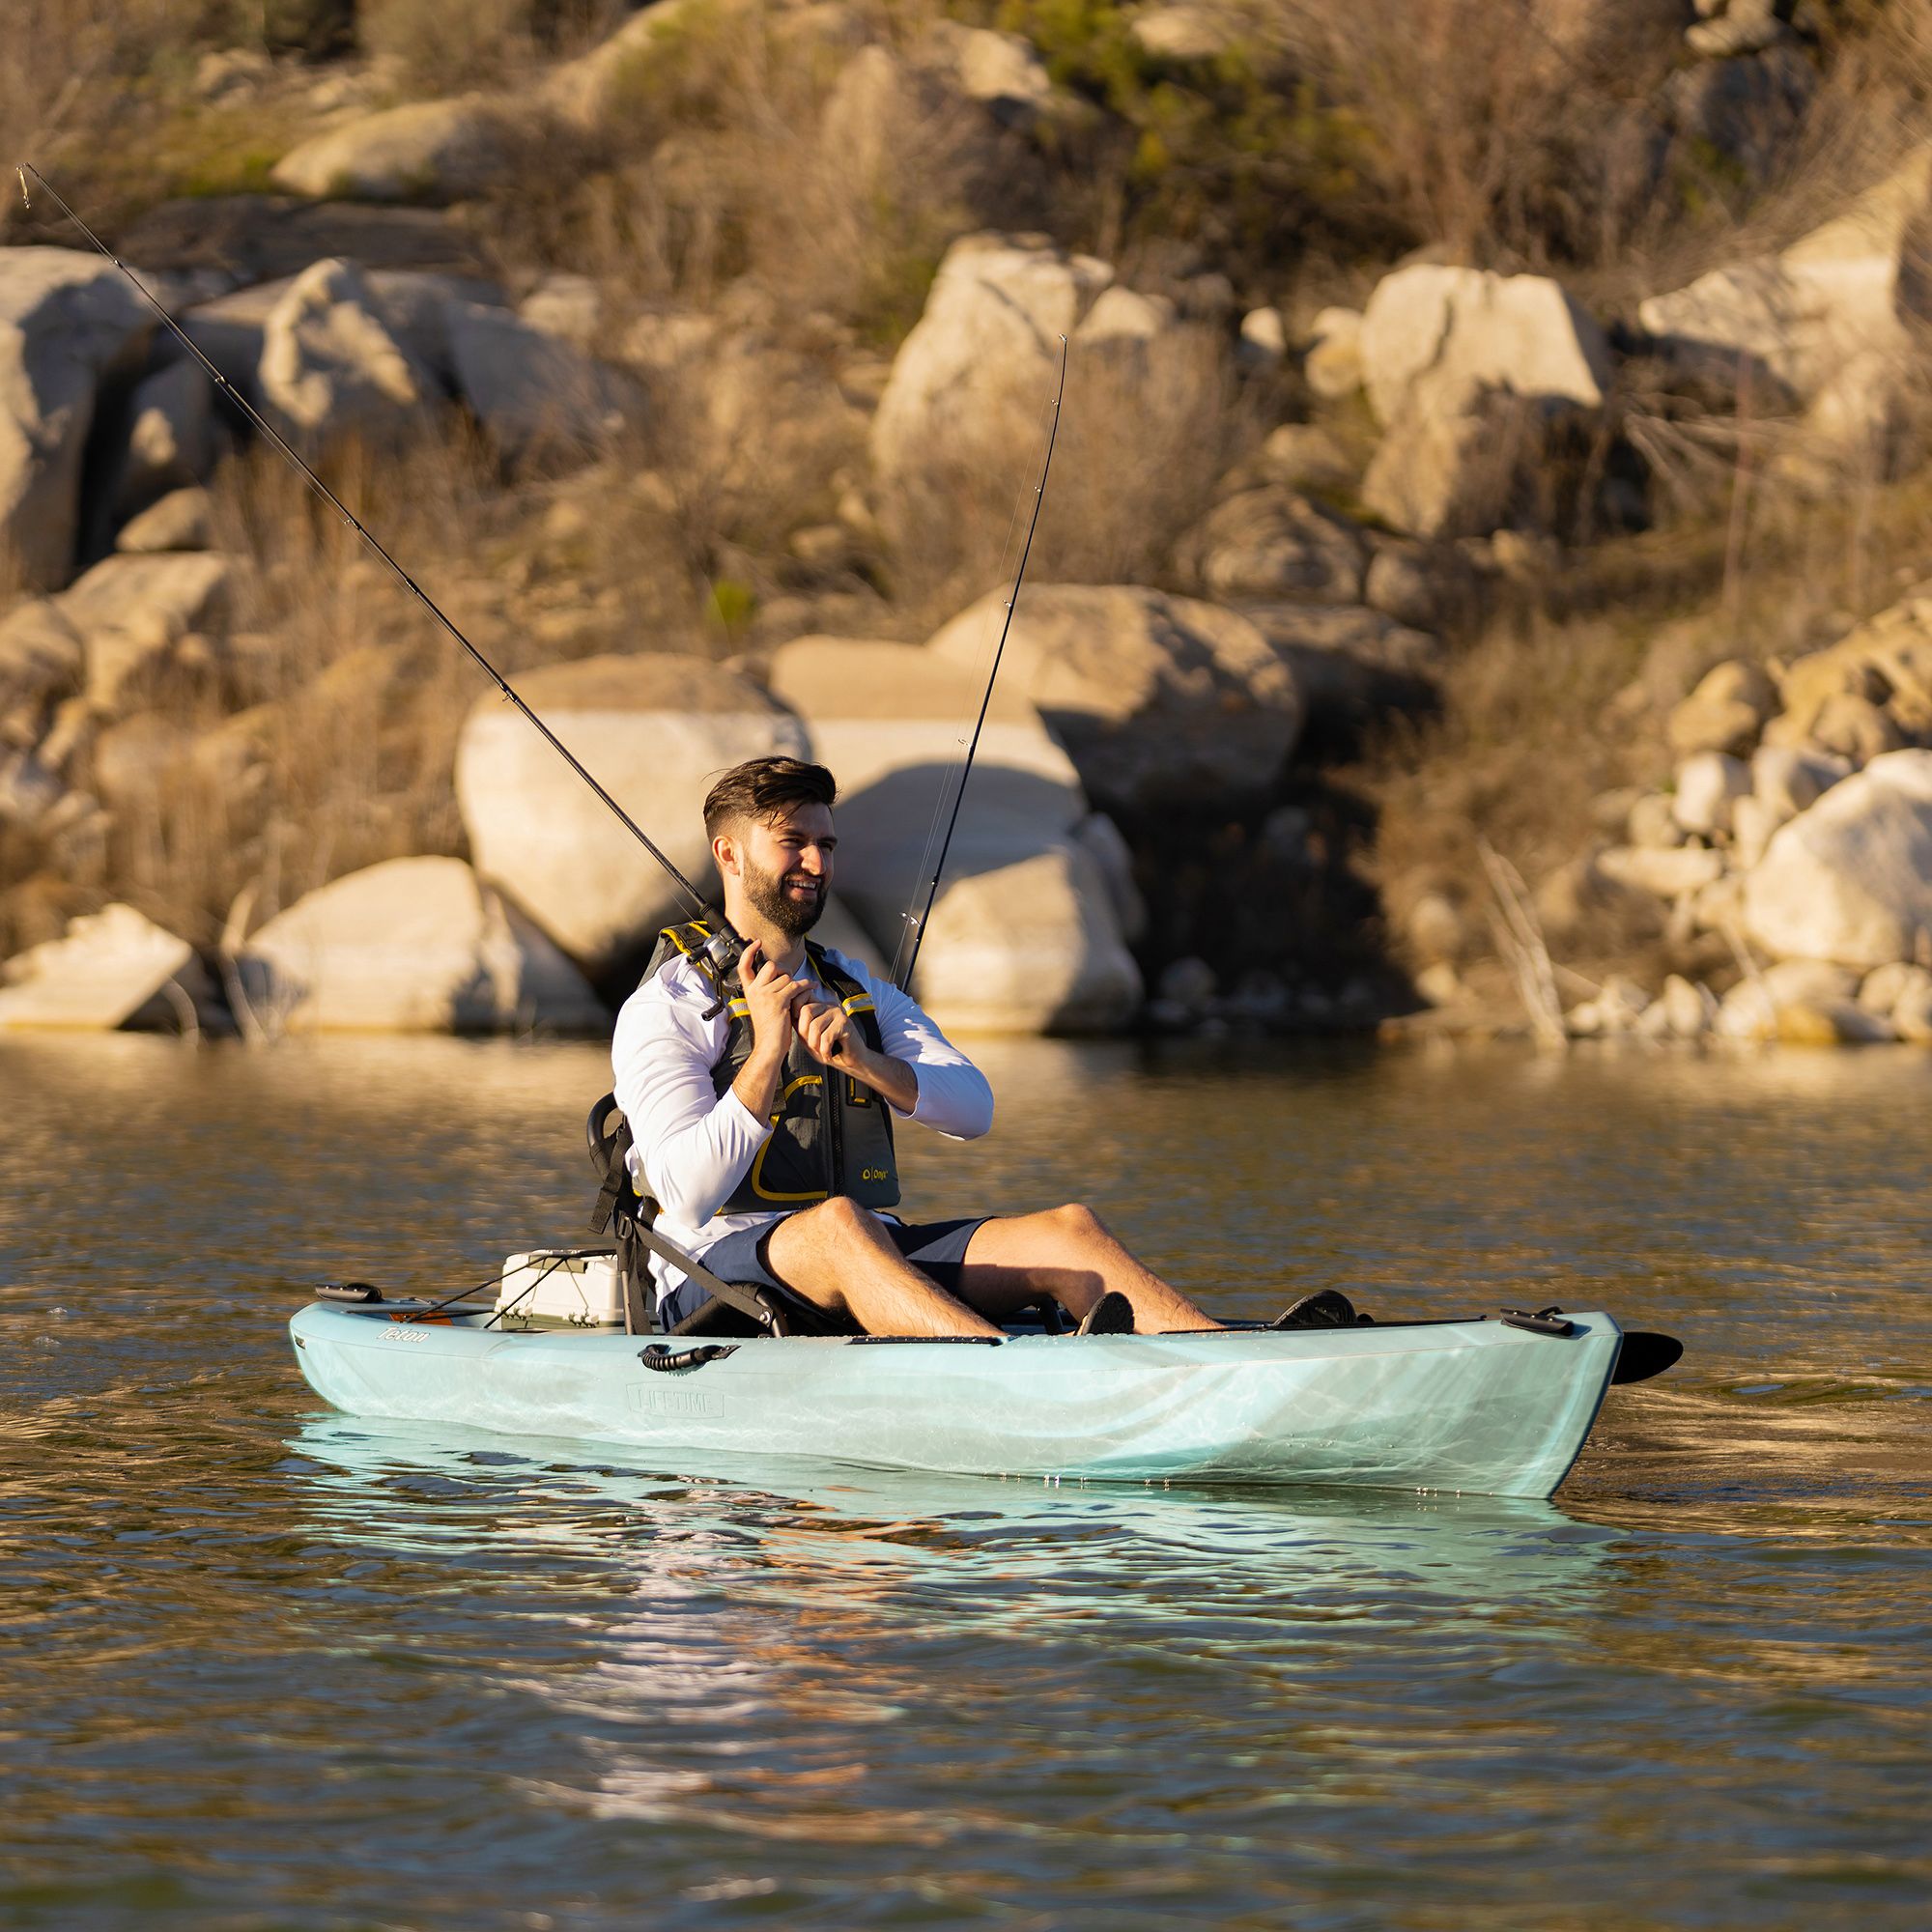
[916, 922]
[723, 942]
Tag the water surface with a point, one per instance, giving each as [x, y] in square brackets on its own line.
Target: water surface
[262, 1666]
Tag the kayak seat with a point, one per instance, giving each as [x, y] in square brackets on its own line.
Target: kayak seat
[730, 1308]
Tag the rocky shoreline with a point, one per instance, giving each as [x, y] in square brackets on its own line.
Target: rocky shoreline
[1150, 838]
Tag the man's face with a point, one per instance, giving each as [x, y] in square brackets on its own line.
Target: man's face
[784, 866]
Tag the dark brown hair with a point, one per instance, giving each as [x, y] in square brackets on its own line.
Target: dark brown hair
[761, 789]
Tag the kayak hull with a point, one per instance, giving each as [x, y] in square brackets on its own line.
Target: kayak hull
[1469, 1407]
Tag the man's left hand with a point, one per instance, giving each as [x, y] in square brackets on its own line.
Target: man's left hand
[829, 1035]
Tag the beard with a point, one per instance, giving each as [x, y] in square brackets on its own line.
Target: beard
[792, 917]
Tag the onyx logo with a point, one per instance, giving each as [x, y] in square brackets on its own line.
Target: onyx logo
[873, 1173]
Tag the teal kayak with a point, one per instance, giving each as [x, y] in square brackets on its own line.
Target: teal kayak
[1475, 1407]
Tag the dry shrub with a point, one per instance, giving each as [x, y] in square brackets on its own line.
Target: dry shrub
[1513, 757]
[324, 741]
[76, 80]
[1146, 437]
[444, 46]
[1488, 134]
[448, 45]
[746, 445]
[1146, 430]
[729, 154]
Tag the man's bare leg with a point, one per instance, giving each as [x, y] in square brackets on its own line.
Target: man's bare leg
[1068, 1253]
[840, 1258]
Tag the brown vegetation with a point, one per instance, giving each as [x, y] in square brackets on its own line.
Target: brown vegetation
[759, 218]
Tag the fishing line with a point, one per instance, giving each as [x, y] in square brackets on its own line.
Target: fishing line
[955, 764]
[335, 502]
[916, 925]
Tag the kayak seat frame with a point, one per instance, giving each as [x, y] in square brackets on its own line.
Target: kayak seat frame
[729, 1307]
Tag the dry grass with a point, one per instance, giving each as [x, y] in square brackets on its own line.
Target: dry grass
[77, 78]
[1564, 696]
[1488, 134]
[325, 738]
[751, 152]
[445, 47]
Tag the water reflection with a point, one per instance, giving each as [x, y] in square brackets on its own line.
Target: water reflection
[774, 1600]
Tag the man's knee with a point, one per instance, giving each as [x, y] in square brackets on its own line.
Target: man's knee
[841, 1219]
[1076, 1220]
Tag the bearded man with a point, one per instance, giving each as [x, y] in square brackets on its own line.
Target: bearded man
[763, 1111]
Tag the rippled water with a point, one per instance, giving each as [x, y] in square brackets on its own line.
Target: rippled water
[266, 1666]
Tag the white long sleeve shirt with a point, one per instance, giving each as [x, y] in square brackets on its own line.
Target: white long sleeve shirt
[691, 1146]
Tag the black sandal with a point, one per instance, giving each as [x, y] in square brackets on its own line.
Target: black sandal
[1326, 1308]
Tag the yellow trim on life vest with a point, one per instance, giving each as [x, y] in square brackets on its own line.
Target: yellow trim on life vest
[671, 932]
[859, 1002]
[757, 1166]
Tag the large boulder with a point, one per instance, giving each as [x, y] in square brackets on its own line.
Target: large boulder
[537, 396]
[436, 150]
[655, 731]
[1273, 543]
[131, 611]
[414, 945]
[1351, 665]
[170, 436]
[66, 319]
[1449, 333]
[420, 311]
[330, 367]
[1832, 319]
[1002, 73]
[410, 306]
[1474, 376]
[114, 968]
[989, 334]
[1157, 700]
[892, 722]
[1031, 947]
[1850, 880]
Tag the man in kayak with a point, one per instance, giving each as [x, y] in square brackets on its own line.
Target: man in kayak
[761, 1110]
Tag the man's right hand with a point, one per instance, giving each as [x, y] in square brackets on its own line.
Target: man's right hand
[770, 998]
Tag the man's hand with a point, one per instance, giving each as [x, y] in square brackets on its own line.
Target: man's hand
[772, 999]
[829, 1035]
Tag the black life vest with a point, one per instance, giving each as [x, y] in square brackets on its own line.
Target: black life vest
[829, 1133]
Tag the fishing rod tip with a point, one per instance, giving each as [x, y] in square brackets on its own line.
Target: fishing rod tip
[25, 202]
